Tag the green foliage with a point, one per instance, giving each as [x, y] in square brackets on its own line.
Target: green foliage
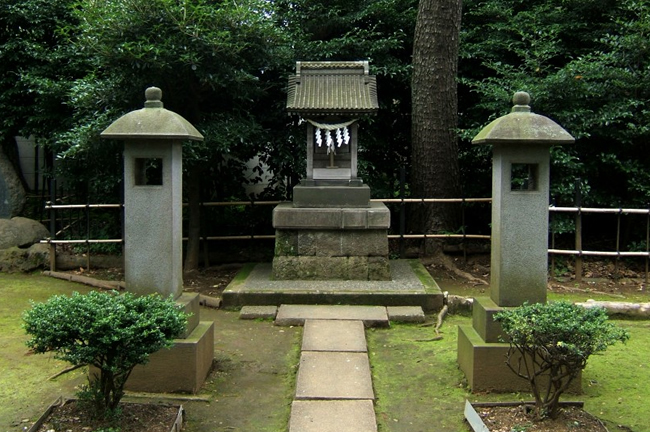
[381, 32]
[32, 51]
[70, 68]
[553, 342]
[585, 64]
[112, 332]
[35, 67]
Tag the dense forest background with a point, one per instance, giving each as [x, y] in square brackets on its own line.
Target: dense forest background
[71, 67]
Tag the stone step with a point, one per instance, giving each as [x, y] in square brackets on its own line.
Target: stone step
[258, 312]
[411, 285]
[292, 315]
[334, 336]
[332, 416]
[406, 314]
[334, 375]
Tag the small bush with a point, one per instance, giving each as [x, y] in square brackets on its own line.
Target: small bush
[554, 341]
[112, 332]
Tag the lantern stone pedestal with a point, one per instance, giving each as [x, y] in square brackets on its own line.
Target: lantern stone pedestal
[520, 195]
[153, 173]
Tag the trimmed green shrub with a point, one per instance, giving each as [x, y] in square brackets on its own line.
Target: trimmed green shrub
[112, 332]
[554, 341]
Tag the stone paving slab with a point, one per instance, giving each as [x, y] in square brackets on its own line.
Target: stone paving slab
[334, 375]
[334, 335]
[412, 314]
[372, 316]
[255, 312]
[332, 416]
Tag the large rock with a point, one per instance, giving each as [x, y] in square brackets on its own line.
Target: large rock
[21, 232]
[24, 260]
[12, 192]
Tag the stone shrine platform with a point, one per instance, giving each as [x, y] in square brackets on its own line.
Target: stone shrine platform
[411, 285]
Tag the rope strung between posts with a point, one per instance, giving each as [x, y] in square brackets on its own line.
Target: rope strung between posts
[341, 131]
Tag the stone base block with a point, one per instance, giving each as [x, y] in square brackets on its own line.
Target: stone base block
[180, 369]
[331, 268]
[411, 285]
[375, 216]
[189, 303]
[484, 365]
[331, 243]
[331, 196]
[483, 311]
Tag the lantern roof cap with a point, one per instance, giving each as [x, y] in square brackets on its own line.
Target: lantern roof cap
[523, 126]
[153, 122]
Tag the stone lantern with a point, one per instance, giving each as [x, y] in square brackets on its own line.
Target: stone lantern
[153, 186]
[521, 144]
[153, 190]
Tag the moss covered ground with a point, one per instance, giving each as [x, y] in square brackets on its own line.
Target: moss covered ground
[24, 386]
[419, 388]
[418, 384]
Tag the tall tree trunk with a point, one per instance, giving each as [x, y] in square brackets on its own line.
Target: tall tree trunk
[434, 143]
[13, 193]
[194, 220]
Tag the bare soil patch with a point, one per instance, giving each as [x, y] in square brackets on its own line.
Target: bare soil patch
[519, 419]
[71, 417]
[464, 276]
[209, 281]
[471, 275]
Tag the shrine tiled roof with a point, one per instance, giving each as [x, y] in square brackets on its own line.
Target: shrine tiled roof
[332, 88]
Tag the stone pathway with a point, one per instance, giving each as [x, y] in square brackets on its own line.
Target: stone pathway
[334, 390]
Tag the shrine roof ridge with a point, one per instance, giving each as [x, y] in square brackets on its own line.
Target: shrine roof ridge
[332, 88]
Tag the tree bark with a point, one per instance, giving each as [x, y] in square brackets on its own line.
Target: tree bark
[14, 195]
[194, 220]
[434, 145]
[640, 310]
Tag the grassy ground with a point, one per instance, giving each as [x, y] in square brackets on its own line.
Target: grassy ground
[24, 388]
[418, 384]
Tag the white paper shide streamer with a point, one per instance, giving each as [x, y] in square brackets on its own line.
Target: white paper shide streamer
[334, 133]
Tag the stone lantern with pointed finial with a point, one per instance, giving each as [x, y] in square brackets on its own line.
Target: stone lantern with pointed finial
[521, 142]
[153, 184]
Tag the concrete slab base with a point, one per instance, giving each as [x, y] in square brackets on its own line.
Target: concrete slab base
[313, 196]
[371, 316]
[332, 416]
[334, 335]
[484, 365]
[334, 375]
[189, 303]
[180, 369]
[411, 285]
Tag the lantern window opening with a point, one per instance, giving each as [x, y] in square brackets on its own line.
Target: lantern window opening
[524, 177]
[148, 172]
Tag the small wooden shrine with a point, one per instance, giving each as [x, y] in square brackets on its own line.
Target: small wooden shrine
[331, 230]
